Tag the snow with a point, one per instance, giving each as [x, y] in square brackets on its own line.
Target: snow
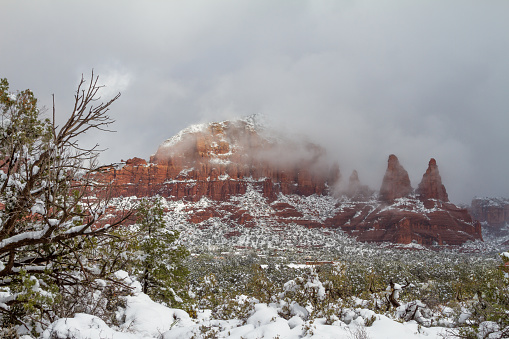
[12, 96]
[298, 266]
[146, 319]
[76, 229]
[189, 130]
[384, 327]
[149, 319]
[219, 161]
[53, 222]
[83, 326]
[23, 236]
[35, 170]
[123, 275]
[223, 177]
[412, 245]
[38, 207]
[143, 318]
[186, 171]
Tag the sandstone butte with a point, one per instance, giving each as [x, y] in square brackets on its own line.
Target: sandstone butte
[220, 160]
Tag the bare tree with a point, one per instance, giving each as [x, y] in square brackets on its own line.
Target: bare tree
[391, 293]
[51, 203]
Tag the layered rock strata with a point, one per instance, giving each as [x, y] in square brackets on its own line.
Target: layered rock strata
[235, 164]
[219, 160]
[400, 216]
[408, 220]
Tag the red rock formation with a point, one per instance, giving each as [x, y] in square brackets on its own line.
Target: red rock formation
[396, 183]
[425, 221]
[492, 212]
[431, 186]
[222, 161]
[334, 175]
[408, 221]
[353, 184]
[136, 162]
[219, 160]
[286, 211]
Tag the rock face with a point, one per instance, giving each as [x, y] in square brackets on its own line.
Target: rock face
[219, 160]
[396, 183]
[493, 213]
[431, 186]
[236, 172]
[408, 220]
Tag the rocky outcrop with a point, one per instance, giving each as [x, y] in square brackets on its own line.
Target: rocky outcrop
[218, 160]
[426, 218]
[408, 220]
[396, 183]
[431, 186]
[493, 213]
[236, 164]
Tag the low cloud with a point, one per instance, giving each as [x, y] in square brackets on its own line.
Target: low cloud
[364, 79]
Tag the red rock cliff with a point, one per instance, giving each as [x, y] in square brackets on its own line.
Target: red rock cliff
[219, 159]
[401, 217]
[493, 212]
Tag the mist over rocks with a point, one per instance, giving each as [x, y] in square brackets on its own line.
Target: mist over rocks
[356, 190]
[396, 183]
[431, 186]
[221, 159]
[251, 176]
[493, 213]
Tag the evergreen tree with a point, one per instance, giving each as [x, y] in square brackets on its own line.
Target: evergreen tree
[48, 211]
[159, 263]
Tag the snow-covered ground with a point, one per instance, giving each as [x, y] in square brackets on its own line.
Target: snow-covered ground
[144, 318]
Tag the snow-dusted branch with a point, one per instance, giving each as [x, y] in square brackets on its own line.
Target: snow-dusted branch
[49, 192]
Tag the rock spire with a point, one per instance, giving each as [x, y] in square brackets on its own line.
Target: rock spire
[396, 183]
[431, 186]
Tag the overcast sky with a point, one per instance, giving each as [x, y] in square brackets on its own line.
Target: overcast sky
[365, 79]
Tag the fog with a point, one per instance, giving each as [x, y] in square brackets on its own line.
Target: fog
[364, 79]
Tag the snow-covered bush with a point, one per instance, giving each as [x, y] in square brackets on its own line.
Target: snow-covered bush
[156, 257]
[260, 286]
[415, 310]
[303, 296]
[240, 307]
